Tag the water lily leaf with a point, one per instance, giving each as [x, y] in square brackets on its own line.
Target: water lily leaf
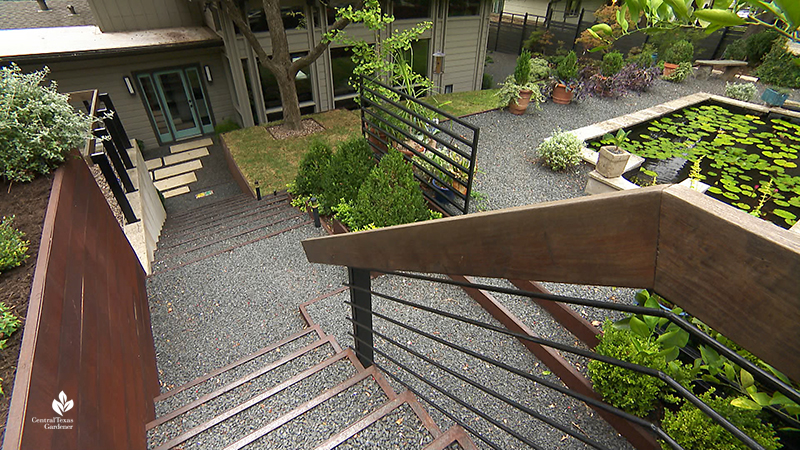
[783, 214]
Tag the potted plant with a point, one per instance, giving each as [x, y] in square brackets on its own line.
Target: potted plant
[567, 71]
[775, 96]
[680, 52]
[612, 159]
[518, 90]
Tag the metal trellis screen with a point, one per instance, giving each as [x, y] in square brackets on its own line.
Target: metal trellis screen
[443, 152]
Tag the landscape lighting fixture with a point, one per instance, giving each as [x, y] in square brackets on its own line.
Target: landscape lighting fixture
[129, 84]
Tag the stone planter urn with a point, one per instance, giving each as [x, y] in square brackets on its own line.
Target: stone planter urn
[611, 161]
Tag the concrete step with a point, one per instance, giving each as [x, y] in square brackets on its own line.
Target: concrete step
[283, 382]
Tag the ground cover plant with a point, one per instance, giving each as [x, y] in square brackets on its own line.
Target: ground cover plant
[561, 151]
[750, 162]
[741, 91]
[13, 246]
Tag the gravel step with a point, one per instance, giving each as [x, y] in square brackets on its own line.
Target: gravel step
[399, 429]
[211, 206]
[182, 395]
[206, 217]
[269, 231]
[272, 404]
[212, 228]
[224, 232]
[241, 391]
[318, 419]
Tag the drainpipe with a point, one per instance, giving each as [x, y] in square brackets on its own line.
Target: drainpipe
[42, 5]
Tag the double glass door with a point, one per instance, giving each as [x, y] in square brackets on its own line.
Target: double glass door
[176, 102]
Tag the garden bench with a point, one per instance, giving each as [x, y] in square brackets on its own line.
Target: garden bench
[730, 68]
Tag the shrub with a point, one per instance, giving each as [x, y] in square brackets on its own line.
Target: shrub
[390, 195]
[612, 63]
[567, 68]
[538, 40]
[226, 126]
[779, 68]
[312, 170]
[633, 392]
[636, 78]
[680, 52]
[680, 74]
[694, 430]
[13, 247]
[39, 127]
[488, 81]
[522, 71]
[741, 91]
[758, 45]
[736, 50]
[642, 57]
[561, 150]
[9, 323]
[349, 167]
[540, 69]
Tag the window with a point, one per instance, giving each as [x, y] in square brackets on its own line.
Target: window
[418, 56]
[404, 9]
[293, 17]
[342, 67]
[464, 8]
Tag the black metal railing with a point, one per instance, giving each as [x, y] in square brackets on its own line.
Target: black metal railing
[444, 154]
[111, 133]
[398, 360]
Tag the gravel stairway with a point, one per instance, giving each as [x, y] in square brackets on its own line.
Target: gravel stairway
[301, 392]
[223, 226]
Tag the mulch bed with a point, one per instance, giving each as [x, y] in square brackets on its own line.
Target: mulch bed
[27, 202]
[310, 126]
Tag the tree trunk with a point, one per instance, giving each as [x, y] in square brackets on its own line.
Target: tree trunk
[291, 105]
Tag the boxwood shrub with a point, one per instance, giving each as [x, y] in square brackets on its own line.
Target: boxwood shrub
[349, 167]
[313, 169]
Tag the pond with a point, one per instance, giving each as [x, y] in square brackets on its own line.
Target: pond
[749, 159]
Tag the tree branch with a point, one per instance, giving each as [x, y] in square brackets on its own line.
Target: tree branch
[236, 15]
[315, 52]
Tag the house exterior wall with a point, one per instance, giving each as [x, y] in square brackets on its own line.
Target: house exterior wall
[131, 15]
[105, 74]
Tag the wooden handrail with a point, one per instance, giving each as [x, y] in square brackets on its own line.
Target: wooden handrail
[737, 273]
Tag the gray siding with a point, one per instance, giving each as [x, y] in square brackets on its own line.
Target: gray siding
[463, 41]
[106, 75]
[131, 15]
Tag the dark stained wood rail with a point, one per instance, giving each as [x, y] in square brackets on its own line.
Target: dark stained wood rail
[88, 329]
[737, 273]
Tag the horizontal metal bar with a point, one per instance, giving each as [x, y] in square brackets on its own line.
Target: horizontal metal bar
[680, 389]
[757, 372]
[453, 397]
[435, 109]
[489, 391]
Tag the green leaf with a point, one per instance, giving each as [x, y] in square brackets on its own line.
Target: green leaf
[642, 296]
[761, 398]
[710, 356]
[623, 324]
[669, 354]
[623, 23]
[720, 18]
[593, 33]
[679, 8]
[780, 399]
[722, 4]
[675, 338]
[603, 28]
[747, 379]
[639, 327]
[745, 403]
[635, 9]
[730, 372]
[791, 10]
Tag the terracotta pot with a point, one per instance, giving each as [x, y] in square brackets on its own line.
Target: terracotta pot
[378, 147]
[519, 106]
[561, 95]
[669, 68]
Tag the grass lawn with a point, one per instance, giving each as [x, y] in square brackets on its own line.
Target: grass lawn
[464, 103]
[274, 163]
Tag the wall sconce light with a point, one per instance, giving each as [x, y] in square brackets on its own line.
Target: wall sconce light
[129, 84]
[438, 63]
[207, 71]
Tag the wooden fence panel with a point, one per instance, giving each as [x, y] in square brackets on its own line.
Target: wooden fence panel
[88, 330]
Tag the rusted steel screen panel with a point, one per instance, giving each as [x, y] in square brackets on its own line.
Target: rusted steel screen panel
[738, 274]
[88, 331]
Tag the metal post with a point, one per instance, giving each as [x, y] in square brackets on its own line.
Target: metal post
[362, 319]
[106, 99]
[258, 191]
[522, 38]
[315, 211]
[116, 137]
[102, 161]
[578, 28]
[111, 150]
[497, 36]
[719, 43]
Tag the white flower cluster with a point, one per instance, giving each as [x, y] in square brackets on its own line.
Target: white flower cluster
[561, 150]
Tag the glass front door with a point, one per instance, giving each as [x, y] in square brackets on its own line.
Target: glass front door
[177, 103]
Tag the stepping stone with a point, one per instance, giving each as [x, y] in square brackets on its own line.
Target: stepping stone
[153, 163]
[176, 191]
[180, 180]
[185, 156]
[191, 145]
[171, 171]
